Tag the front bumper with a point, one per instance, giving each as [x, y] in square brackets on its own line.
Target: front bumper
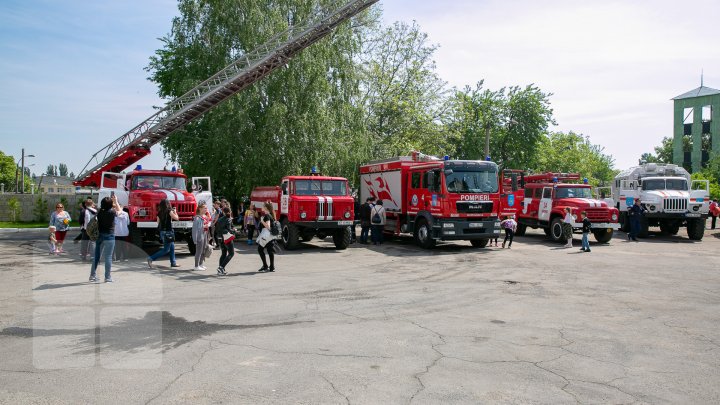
[679, 215]
[603, 225]
[466, 230]
[177, 225]
[324, 224]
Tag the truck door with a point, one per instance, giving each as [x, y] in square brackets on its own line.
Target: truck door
[114, 184]
[700, 191]
[202, 189]
[285, 197]
[415, 192]
[431, 197]
[545, 204]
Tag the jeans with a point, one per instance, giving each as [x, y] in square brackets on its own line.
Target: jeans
[168, 247]
[377, 234]
[585, 243]
[228, 251]
[508, 236]
[364, 231]
[634, 227]
[104, 244]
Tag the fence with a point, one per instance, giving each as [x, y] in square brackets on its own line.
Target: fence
[29, 209]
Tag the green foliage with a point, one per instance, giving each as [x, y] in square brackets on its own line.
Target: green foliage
[712, 173]
[573, 153]
[14, 207]
[299, 116]
[516, 119]
[51, 170]
[40, 210]
[7, 171]
[62, 169]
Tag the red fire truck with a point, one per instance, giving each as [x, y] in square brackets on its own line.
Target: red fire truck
[547, 195]
[310, 206]
[435, 199]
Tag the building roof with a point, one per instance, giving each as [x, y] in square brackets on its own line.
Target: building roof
[699, 92]
[54, 180]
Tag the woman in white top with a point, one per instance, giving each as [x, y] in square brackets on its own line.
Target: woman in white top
[568, 226]
[377, 221]
[122, 233]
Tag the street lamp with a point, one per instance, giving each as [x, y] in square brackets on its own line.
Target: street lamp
[22, 159]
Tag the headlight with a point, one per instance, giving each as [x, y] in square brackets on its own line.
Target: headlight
[448, 225]
[614, 217]
[347, 214]
[696, 208]
[303, 215]
[652, 208]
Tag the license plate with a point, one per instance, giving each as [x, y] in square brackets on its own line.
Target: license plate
[692, 215]
[182, 224]
[345, 223]
[476, 224]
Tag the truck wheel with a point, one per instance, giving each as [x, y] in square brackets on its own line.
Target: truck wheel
[624, 223]
[423, 234]
[307, 235]
[643, 232]
[521, 229]
[556, 230]
[341, 238]
[290, 235]
[695, 229]
[191, 245]
[547, 231]
[479, 243]
[603, 235]
[670, 227]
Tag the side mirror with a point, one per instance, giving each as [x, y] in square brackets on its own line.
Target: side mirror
[448, 172]
[431, 180]
[284, 188]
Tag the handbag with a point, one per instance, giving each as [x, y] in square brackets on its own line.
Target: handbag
[208, 251]
[265, 237]
[169, 236]
[228, 237]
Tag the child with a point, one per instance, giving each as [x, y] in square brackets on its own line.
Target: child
[52, 241]
[509, 225]
[586, 225]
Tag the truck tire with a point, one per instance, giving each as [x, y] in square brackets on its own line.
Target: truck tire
[521, 229]
[624, 223]
[696, 229]
[423, 234]
[547, 231]
[290, 235]
[191, 245]
[556, 230]
[341, 238]
[643, 232]
[479, 243]
[603, 235]
[136, 237]
[307, 235]
[670, 227]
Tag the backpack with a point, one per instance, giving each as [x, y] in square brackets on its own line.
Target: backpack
[92, 229]
[275, 228]
[376, 219]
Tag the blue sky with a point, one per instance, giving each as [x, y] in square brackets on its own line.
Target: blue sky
[72, 76]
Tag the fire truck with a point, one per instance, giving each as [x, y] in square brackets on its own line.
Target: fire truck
[135, 144]
[435, 199]
[545, 198]
[669, 195]
[310, 206]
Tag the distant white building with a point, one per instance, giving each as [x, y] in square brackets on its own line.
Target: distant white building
[54, 185]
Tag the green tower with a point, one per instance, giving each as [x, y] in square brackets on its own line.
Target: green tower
[696, 131]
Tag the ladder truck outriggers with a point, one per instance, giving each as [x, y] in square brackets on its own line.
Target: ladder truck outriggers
[669, 195]
[435, 199]
[546, 196]
[140, 190]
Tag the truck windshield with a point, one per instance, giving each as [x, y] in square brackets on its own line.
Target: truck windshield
[158, 182]
[665, 184]
[573, 192]
[320, 187]
[472, 182]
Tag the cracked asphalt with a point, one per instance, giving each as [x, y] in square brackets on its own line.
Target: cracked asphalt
[538, 324]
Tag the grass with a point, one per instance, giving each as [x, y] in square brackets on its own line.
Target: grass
[4, 224]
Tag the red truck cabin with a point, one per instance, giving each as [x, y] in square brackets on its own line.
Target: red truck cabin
[148, 187]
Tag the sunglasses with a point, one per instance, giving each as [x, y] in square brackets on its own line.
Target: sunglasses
[59, 206]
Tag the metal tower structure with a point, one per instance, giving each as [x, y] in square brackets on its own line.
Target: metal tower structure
[241, 73]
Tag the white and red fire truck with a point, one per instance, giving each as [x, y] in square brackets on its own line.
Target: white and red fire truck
[545, 198]
[140, 192]
[310, 206]
[435, 199]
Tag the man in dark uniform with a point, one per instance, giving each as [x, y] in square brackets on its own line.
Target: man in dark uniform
[635, 213]
[365, 219]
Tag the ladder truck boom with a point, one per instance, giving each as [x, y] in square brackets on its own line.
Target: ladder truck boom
[241, 73]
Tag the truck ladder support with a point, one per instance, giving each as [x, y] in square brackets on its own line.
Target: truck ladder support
[241, 73]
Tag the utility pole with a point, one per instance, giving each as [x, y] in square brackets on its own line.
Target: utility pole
[22, 179]
[487, 141]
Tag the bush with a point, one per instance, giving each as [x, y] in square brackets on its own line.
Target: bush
[40, 211]
[14, 206]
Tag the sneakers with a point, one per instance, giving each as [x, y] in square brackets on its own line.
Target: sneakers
[94, 280]
[109, 280]
[197, 268]
[149, 262]
[272, 268]
[221, 271]
[203, 268]
[174, 265]
[263, 268]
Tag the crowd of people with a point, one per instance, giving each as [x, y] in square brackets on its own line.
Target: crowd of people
[106, 231]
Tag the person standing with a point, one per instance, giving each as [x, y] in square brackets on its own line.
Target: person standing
[377, 219]
[60, 219]
[199, 236]
[166, 214]
[714, 212]
[224, 234]
[52, 241]
[266, 241]
[509, 225]
[635, 213]
[250, 224]
[586, 225]
[356, 211]
[86, 245]
[81, 221]
[105, 243]
[365, 219]
[568, 226]
[122, 236]
[215, 215]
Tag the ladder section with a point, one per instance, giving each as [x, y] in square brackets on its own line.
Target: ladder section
[241, 73]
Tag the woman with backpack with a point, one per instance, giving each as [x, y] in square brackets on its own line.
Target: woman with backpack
[105, 243]
[225, 235]
[266, 240]
[166, 214]
[377, 219]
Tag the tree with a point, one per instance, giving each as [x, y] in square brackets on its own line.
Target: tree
[300, 116]
[63, 169]
[14, 206]
[10, 173]
[40, 210]
[51, 170]
[571, 152]
[515, 118]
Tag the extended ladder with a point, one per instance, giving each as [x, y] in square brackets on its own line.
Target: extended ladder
[244, 71]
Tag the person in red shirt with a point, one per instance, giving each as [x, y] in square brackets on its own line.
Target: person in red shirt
[714, 213]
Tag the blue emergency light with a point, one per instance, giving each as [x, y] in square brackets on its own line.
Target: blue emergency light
[446, 157]
[487, 158]
[585, 180]
[313, 170]
[138, 167]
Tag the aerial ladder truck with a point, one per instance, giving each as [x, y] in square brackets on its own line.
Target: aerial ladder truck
[141, 190]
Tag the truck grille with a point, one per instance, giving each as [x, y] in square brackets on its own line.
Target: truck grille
[184, 208]
[474, 207]
[597, 215]
[675, 205]
[324, 210]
